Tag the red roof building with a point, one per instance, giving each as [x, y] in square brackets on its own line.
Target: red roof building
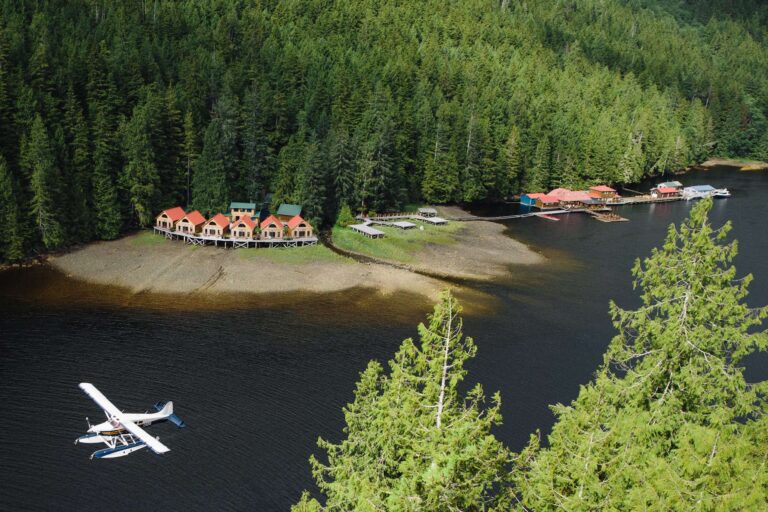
[603, 192]
[299, 228]
[243, 227]
[168, 218]
[191, 223]
[216, 225]
[271, 228]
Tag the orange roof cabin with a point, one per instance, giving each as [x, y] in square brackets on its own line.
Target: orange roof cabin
[243, 227]
[191, 223]
[299, 228]
[665, 192]
[216, 225]
[271, 228]
[603, 193]
[168, 218]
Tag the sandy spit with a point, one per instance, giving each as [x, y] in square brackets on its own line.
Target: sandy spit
[481, 252]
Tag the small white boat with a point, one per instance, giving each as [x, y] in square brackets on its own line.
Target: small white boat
[721, 192]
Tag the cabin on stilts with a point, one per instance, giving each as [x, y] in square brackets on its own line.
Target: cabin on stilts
[192, 223]
[299, 228]
[237, 210]
[168, 218]
[216, 226]
[271, 229]
[244, 228]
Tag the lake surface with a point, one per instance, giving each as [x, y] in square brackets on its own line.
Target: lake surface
[259, 379]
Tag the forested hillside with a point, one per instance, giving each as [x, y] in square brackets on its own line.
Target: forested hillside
[111, 110]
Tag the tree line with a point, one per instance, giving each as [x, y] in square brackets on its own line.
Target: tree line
[113, 110]
[669, 421]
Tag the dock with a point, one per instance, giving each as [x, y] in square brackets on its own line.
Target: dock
[367, 230]
[235, 243]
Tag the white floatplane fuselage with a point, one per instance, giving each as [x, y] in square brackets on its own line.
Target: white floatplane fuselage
[122, 433]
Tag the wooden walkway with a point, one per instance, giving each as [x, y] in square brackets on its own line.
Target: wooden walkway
[235, 243]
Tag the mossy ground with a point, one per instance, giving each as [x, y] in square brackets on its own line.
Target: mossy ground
[293, 255]
[147, 239]
[400, 245]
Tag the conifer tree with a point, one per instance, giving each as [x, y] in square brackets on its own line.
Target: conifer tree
[140, 174]
[210, 184]
[670, 422]
[256, 158]
[190, 153]
[76, 169]
[413, 440]
[11, 237]
[46, 186]
[107, 215]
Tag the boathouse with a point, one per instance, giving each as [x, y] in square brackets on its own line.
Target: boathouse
[665, 192]
[299, 228]
[546, 201]
[286, 212]
[530, 199]
[574, 198]
[168, 218]
[603, 193]
[243, 227]
[271, 228]
[216, 226]
[237, 210]
[191, 223]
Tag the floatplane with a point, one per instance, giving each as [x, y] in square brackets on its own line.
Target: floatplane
[122, 432]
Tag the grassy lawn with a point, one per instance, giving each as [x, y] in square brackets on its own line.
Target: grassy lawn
[293, 255]
[397, 244]
[147, 239]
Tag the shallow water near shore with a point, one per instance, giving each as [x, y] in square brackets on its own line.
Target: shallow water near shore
[258, 379]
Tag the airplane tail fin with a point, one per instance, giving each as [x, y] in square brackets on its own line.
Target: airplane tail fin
[167, 409]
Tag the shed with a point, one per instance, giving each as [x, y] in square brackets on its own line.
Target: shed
[286, 212]
[663, 192]
[574, 198]
[271, 228]
[217, 225]
[670, 184]
[168, 218]
[546, 201]
[427, 212]
[243, 227]
[530, 198]
[299, 228]
[237, 210]
[191, 223]
[603, 192]
[367, 230]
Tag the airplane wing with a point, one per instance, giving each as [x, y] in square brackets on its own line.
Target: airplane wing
[103, 402]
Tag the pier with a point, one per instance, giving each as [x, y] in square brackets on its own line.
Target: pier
[234, 243]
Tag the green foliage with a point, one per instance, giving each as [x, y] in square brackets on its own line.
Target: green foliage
[670, 422]
[11, 240]
[413, 440]
[345, 217]
[367, 103]
[45, 185]
[398, 244]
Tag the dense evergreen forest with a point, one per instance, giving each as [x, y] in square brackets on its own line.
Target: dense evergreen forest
[669, 422]
[113, 109]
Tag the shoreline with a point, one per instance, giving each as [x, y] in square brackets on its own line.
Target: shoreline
[743, 165]
[143, 264]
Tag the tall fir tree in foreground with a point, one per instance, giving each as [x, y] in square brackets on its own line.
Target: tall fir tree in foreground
[413, 441]
[670, 422]
[11, 237]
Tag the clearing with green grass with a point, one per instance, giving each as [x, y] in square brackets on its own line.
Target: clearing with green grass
[400, 245]
[293, 255]
[147, 239]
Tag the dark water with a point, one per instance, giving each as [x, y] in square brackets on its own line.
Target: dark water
[258, 380]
